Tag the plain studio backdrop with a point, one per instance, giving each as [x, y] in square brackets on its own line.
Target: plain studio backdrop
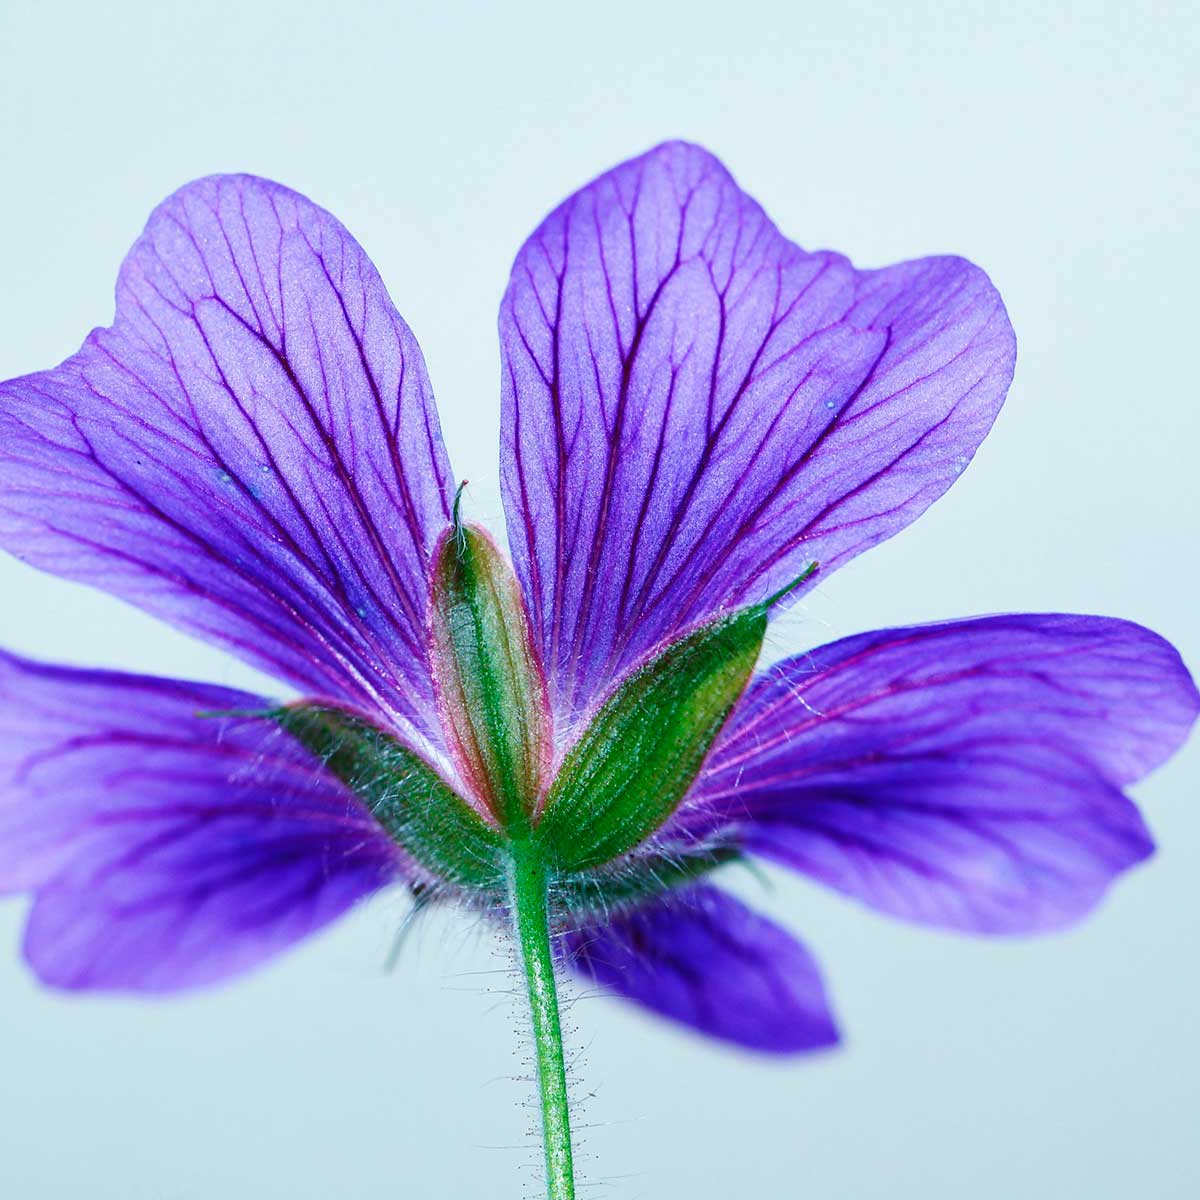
[1051, 144]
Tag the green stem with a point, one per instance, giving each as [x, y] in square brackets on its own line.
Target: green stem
[527, 904]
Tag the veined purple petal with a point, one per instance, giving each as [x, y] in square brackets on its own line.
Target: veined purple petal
[167, 849]
[702, 958]
[695, 409]
[251, 451]
[965, 774]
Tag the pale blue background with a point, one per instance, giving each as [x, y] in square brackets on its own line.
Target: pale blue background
[1052, 143]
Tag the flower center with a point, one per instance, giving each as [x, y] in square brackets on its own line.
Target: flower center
[596, 821]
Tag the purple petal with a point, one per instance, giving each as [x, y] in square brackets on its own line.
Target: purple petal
[167, 849]
[695, 409]
[251, 451]
[967, 774]
[702, 958]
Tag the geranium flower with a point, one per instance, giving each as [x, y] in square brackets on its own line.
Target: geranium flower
[699, 420]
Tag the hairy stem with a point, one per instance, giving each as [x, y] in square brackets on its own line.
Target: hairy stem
[527, 904]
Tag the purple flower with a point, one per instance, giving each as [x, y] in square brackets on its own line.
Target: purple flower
[695, 412]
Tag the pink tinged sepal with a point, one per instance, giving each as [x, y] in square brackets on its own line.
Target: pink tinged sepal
[490, 689]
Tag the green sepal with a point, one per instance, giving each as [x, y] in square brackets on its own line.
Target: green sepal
[417, 809]
[640, 753]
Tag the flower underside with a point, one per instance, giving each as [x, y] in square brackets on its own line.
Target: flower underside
[694, 409]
